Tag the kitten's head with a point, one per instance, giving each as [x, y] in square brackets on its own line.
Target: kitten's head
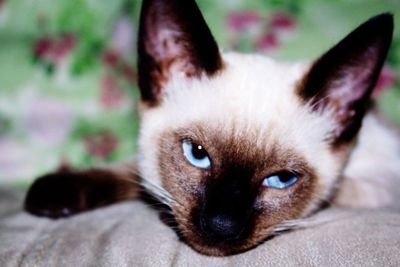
[238, 144]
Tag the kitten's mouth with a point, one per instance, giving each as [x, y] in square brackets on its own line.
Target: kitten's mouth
[214, 235]
[216, 238]
[211, 229]
[221, 234]
[221, 228]
[217, 228]
[225, 242]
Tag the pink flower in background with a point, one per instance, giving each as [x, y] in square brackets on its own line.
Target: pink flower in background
[129, 73]
[68, 41]
[2, 2]
[48, 121]
[111, 58]
[42, 46]
[101, 144]
[282, 21]
[241, 20]
[55, 49]
[268, 33]
[386, 79]
[111, 95]
[267, 42]
[62, 46]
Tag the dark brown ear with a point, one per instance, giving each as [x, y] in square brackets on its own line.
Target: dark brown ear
[173, 38]
[341, 80]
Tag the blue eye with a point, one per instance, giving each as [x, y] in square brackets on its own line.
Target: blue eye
[196, 154]
[280, 180]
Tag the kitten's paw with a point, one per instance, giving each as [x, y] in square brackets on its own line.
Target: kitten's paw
[55, 196]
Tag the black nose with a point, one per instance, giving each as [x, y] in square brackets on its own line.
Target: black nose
[222, 226]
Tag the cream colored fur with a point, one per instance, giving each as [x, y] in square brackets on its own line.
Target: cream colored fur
[372, 176]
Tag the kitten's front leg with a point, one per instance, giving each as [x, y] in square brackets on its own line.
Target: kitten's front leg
[65, 193]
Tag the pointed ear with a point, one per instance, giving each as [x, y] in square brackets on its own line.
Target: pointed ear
[340, 82]
[173, 38]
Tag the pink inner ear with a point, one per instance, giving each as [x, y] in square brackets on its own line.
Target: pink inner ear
[354, 83]
[170, 51]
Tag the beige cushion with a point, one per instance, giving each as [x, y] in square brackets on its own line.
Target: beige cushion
[130, 234]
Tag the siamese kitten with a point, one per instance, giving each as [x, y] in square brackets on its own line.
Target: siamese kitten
[237, 145]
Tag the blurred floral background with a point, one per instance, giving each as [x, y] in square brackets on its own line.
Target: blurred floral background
[68, 77]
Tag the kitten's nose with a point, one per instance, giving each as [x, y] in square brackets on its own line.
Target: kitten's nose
[222, 226]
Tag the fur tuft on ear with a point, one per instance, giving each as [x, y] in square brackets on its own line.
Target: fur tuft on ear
[340, 82]
[173, 38]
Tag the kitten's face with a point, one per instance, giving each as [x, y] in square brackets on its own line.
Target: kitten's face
[235, 144]
[251, 126]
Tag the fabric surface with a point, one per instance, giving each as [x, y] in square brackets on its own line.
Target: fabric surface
[130, 234]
